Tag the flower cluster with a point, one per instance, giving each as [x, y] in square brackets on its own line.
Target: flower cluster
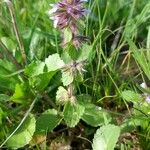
[75, 67]
[66, 14]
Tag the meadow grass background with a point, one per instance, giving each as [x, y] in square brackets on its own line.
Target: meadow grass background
[119, 33]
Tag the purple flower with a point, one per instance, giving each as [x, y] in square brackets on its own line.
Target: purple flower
[66, 14]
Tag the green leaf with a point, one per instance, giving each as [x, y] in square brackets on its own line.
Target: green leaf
[4, 98]
[66, 57]
[34, 43]
[131, 96]
[73, 52]
[142, 57]
[67, 35]
[47, 121]
[1, 115]
[79, 77]
[9, 66]
[62, 96]
[86, 53]
[20, 95]
[9, 43]
[106, 137]
[23, 135]
[41, 81]
[73, 113]
[67, 78]
[34, 69]
[95, 116]
[54, 62]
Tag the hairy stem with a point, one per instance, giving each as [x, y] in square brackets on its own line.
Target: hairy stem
[15, 27]
[9, 55]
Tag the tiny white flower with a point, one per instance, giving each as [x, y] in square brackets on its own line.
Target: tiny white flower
[143, 85]
[55, 22]
[53, 10]
[52, 18]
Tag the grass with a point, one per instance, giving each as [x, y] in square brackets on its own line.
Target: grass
[119, 36]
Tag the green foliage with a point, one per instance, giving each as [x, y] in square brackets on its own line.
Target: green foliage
[86, 53]
[67, 77]
[93, 115]
[34, 69]
[54, 62]
[106, 137]
[23, 135]
[141, 57]
[67, 36]
[47, 121]
[134, 23]
[20, 95]
[78, 89]
[131, 96]
[41, 81]
[62, 96]
[73, 113]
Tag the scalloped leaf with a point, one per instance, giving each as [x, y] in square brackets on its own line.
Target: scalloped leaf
[67, 78]
[73, 113]
[23, 135]
[106, 137]
[95, 116]
[47, 121]
[54, 62]
[62, 96]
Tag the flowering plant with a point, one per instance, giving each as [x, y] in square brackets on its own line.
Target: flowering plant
[67, 14]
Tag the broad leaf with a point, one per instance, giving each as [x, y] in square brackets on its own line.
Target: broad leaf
[95, 116]
[41, 81]
[47, 121]
[23, 135]
[86, 53]
[106, 137]
[20, 95]
[67, 36]
[73, 113]
[34, 69]
[67, 78]
[66, 57]
[131, 96]
[54, 62]
[62, 96]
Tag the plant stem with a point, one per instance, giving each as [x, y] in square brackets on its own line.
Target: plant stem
[22, 121]
[9, 55]
[16, 31]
